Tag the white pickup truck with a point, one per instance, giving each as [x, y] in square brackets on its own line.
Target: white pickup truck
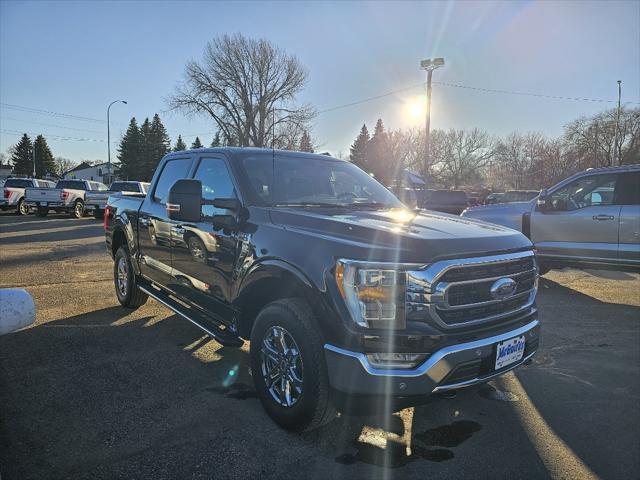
[13, 193]
[67, 196]
[96, 200]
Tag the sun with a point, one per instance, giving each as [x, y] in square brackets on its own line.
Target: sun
[416, 108]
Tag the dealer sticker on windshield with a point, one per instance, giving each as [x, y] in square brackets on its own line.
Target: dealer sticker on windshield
[509, 351]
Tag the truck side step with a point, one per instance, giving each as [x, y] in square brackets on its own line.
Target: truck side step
[223, 336]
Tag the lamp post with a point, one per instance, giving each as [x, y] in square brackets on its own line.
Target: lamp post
[109, 139]
[616, 148]
[429, 65]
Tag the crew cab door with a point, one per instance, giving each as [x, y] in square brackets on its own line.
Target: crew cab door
[154, 226]
[580, 221]
[203, 254]
[628, 195]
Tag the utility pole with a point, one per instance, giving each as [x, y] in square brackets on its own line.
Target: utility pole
[109, 168]
[34, 159]
[429, 65]
[617, 150]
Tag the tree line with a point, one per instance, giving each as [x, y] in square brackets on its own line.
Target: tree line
[26, 152]
[474, 158]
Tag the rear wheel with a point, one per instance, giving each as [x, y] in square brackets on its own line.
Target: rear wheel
[42, 211]
[23, 208]
[288, 366]
[78, 209]
[127, 291]
[98, 213]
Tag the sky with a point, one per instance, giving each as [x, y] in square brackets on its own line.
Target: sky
[73, 58]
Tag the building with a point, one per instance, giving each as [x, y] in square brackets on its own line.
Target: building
[5, 171]
[99, 172]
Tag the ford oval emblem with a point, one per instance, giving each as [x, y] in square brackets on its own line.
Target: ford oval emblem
[503, 288]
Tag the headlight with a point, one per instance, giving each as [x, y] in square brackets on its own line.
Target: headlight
[374, 294]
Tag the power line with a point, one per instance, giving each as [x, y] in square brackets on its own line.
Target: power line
[369, 99]
[528, 94]
[47, 135]
[51, 125]
[39, 111]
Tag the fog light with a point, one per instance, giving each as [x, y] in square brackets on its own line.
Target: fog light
[395, 360]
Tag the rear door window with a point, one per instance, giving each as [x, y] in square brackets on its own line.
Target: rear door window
[628, 189]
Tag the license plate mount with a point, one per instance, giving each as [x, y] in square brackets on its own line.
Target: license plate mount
[509, 352]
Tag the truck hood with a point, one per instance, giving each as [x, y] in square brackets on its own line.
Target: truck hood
[402, 235]
[498, 208]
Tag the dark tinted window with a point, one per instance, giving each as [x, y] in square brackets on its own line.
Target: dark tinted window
[173, 170]
[216, 183]
[446, 197]
[124, 187]
[628, 190]
[18, 183]
[71, 184]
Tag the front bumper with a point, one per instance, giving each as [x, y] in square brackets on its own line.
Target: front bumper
[449, 368]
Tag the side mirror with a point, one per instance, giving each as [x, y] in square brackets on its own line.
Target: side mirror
[184, 201]
[541, 203]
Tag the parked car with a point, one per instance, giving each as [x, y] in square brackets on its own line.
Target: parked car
[448, 201]
[13, 193]
[518, 196]
[591, 219]
[67, 196]
[493, 198]
[95, 201]
[343, 292]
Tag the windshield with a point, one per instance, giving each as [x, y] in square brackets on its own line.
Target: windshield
[306, 181]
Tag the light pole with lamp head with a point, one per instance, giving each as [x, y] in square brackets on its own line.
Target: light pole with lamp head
[110, 176]
[429, 65]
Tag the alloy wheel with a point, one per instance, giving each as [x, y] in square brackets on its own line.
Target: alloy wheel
[281, 365]
[122, 278]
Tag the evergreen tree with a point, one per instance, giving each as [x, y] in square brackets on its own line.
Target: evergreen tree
[22, 156]
[196, 143]
[216, 140]
[180, 145]
[157, 145]
[359, 149]
[44, 158]
[305, 142]
[146, 152]
[378, 154]
[130, 152]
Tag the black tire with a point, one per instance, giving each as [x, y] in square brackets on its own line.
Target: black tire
[23, 208]
[78, 209]
[98, 213]
[42, 211]
[313, 407]
[129, 295]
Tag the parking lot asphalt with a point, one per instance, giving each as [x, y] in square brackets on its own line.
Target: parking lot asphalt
[93, 390]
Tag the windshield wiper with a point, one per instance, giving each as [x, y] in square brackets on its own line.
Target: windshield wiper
[370, 205]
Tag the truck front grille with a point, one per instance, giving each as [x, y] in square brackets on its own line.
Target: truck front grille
[458, 293]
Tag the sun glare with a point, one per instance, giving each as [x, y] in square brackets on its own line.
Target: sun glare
[416, 108]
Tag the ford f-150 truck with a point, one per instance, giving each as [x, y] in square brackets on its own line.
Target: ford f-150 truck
[95, 201]
[343, 292]
[589, 220]
[13, 193]
[68, 196]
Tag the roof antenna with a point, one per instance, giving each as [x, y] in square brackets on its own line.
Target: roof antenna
[273, 153]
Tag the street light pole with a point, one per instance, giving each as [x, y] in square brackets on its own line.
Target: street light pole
[109, 139]
[429, 65]
[616, 148]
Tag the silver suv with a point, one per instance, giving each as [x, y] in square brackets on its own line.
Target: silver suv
[591, 219]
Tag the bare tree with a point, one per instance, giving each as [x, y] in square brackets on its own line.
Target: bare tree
[248, 87]
[461, 155]
[63, 165]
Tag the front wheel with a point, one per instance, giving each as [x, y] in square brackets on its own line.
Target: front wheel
[78, 209]
[127, 291]
[23, 208]
[288, 366]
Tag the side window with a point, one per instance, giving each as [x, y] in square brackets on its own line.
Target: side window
[173, 170]
[587, 191]
[628, 189]
[216, 183]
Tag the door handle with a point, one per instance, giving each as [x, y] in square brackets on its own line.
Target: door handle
[603, 217]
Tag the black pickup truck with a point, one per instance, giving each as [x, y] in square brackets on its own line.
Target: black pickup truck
[343, 292]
